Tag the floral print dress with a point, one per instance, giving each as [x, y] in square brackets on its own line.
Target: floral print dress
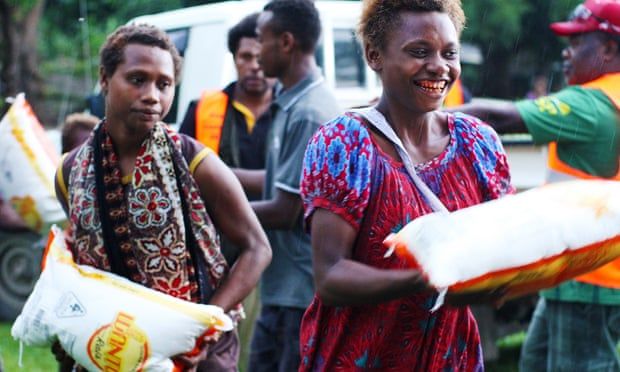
[346, 173]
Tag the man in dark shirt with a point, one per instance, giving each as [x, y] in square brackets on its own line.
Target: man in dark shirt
[234, 121]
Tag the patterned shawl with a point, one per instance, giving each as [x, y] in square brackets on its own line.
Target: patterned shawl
[141, 230]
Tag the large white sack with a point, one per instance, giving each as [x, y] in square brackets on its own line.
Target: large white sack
[106, 322]
[525, 242]
[28, 162]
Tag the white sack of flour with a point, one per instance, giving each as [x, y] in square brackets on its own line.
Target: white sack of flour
[108, 323]
[28, 162]
[526, 242]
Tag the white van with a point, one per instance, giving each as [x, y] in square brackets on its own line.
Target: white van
[200, 33]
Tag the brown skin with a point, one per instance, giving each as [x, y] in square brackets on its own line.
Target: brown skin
[423, 49]
[9, 219]
[253, 89]
[280, 57]
[78, 137]
[138, 95]
[587, 57]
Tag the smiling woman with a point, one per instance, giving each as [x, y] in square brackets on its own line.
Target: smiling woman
[368, 173]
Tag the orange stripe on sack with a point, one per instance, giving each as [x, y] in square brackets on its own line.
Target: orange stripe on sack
[519, 279]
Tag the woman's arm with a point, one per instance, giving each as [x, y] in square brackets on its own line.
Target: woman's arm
[230, 210]
[340, 280]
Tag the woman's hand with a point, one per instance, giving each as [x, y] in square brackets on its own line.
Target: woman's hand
[189, 362]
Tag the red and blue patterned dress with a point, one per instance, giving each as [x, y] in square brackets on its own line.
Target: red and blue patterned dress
[345, 172]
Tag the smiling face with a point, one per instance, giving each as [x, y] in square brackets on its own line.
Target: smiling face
[583, 58]
[140, 91]
[419, 62]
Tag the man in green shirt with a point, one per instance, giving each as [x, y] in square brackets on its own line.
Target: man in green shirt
[576, 326]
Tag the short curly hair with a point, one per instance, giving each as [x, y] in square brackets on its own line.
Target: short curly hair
[111, 53]
[379, 17]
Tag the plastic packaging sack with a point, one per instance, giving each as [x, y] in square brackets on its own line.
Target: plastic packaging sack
[109, 323]
[524, 242]
[28, 162]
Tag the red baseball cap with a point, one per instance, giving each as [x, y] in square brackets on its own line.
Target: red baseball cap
[592, 15]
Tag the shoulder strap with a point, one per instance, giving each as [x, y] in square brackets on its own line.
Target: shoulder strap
[378, 121]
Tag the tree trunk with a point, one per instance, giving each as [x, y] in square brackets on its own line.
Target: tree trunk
[18, 46]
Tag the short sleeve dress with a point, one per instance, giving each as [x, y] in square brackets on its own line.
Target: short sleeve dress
[346, 173]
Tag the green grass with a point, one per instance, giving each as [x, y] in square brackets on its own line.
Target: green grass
[41, 359]
[35, 359]
[509, 349]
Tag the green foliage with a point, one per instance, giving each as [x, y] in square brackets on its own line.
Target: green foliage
[511, 341]
[492, 21]
[22, 7]
[74, 31]
[516, 42]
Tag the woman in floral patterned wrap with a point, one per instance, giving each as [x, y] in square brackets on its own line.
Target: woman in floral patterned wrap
[143, 201]
[372, 312]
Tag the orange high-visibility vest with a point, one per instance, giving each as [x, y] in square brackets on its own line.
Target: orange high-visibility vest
[609, 274]
[455, 95]
[210, 115]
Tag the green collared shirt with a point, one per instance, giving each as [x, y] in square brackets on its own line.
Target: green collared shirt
[585, 124]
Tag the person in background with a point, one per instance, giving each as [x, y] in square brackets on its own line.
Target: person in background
[458, 95]
[143, 201]
[574, 325]
[371, 312]
[288, 31]
[540, 87]
[76, 129]
[234, 122]
[10, 220]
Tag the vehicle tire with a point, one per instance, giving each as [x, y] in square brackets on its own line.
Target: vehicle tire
[20, 266]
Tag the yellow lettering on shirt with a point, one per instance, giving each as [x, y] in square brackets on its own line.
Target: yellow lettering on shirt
[552, 106]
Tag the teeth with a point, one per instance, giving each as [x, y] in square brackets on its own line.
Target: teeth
[433, 85]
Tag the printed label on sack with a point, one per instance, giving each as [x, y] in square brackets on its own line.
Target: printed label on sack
[119, 346]
[69, 306]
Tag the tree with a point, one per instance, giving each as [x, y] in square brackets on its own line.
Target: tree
[515, 40]
[19, 20]
[75, 30]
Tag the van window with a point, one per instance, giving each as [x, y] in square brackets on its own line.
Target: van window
[179, 38]
[350, 66]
